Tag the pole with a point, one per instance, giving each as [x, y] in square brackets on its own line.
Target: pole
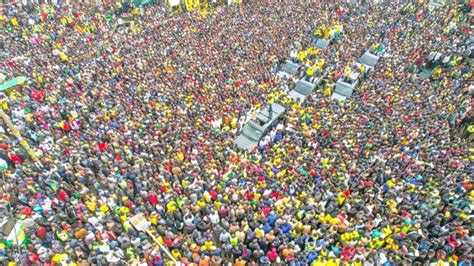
[9, 123]
[17, 134]
[153, 237]
[18, 246]
[140, 223]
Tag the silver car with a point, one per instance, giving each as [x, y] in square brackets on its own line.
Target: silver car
[322, 43]
[343, 90]
[369, 60]
[301, 91]
[254, 130]
[288, 70]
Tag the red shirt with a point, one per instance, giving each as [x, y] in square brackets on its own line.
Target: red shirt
[168, 242]
[249, 196]
[153, 199]
[67, 127]
[37, 94]
[214, 194]
[41, 232]
[103, 146]
[272, 255]
[16, 159]
[167, 166]
[62, 195]
[4, 146]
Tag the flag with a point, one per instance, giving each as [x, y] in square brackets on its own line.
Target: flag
[63, 56]
[17, 234]
[14, 22]
[301, 55]
[13, 82]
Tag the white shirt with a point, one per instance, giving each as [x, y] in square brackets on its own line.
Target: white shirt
[214, 217]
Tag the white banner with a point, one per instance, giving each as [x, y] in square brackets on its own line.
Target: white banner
[173, 2]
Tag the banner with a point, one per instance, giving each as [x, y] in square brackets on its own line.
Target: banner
[12, 82]
[17, 234]
[145, 3]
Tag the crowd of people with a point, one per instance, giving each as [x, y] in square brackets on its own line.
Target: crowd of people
[139, 118]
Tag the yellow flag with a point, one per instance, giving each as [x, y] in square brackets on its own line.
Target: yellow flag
[135, 11]
[301, 55]
[63, 56]
[14, 22]
[321, 63]
[189, 5]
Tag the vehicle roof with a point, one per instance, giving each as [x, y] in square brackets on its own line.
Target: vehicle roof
[338, 97]
[322, 43]
[244, 142]
[344, 88]
[294, 95]
[264, 116]
[290, 67]
[254, 124]
[369, 59]
[304, 87]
